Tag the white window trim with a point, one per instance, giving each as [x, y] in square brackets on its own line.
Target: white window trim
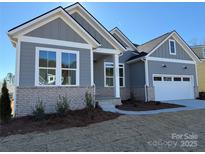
[203, 52]
[171, 40]
[58, 67]
[113, 74]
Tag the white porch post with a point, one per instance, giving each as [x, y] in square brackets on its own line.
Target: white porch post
[116, 76]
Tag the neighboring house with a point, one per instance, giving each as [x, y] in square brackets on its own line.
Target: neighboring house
[66, 51]
[200, 52]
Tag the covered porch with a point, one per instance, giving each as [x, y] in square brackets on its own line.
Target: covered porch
[106, 74]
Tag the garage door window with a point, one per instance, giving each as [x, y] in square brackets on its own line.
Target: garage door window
[186, 79]
[177, 79]
[167, 78]
[157, 78]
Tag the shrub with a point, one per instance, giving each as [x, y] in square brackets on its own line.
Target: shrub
[62, 105]
[89, 100]
[90, 105]
[39, 112]
[202, 95]
[5, 104]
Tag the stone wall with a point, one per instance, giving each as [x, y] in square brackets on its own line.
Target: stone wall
[26, 98]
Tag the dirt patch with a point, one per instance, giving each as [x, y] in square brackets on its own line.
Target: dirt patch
[130, 105]
[78, 118]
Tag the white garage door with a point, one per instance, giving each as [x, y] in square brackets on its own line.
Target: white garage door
[168, 87]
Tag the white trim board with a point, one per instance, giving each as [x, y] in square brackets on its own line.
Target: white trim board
[170, 60]
[54, 42]
[105, 50]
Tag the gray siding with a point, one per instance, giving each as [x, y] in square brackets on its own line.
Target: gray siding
[119, 40]
[57, 29]
[155, 67]
[92, 31]
[163, 52]
[137, 74]
[27, 64]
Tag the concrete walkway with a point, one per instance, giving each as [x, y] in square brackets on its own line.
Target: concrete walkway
[190, 105]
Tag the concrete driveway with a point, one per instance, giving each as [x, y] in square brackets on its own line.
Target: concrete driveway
[176, 131]
[189, 105]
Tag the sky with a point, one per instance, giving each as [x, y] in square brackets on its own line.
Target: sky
[140, 22]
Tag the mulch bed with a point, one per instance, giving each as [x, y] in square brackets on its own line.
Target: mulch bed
[130, 105]
[78, 118]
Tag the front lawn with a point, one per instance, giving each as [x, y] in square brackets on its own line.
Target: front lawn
[78, 118]
[133, 105]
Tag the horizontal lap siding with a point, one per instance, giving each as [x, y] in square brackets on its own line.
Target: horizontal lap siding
[155, 67]
[27, 63]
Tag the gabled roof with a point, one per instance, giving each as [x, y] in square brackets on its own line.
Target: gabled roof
[123, 37]
[59, 11]
[150, 45]
[96, 24]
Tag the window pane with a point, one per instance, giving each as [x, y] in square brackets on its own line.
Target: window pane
[72, 60]
[167, 78]
[177, 79]
[121, 72]
[157, 78]
[43, 59]
[109, 81]
[109, 65]
[109, 71]
[47, 76]
[121, 82]
[68, 60]
[68, 77]
[186, 79]
[172, 45]
[51, 59]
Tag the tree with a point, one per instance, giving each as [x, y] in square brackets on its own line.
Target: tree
[5, 104]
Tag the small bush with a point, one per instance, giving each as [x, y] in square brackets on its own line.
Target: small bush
[39, 112]
[90, 105]
[5, 104]
[89, 100]
[202, 95]
[62, 105]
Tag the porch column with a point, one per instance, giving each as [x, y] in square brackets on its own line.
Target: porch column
[116, 76]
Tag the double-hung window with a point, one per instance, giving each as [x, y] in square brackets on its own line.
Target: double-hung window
[47, 67]
[68, 68]
[109, 75]
[57, 67]
[172, 47]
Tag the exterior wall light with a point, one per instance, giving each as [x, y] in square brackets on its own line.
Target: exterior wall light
[164, 66]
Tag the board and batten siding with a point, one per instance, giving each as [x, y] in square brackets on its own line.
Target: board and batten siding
[104, 43]
[155, 67]
[163, 52]
[27, 63]
[58, 30]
